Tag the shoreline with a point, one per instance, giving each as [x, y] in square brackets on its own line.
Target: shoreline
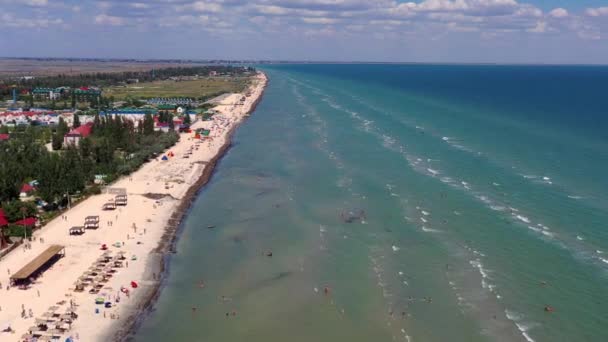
[160, 195]
[166, 245]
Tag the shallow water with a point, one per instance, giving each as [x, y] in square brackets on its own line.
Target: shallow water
[435, 203]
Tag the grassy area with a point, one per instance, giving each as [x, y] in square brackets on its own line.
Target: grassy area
[198, 88]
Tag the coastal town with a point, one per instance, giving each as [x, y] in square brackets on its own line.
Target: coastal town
[83, 233]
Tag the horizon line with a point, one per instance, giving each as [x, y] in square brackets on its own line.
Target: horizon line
[285, 61]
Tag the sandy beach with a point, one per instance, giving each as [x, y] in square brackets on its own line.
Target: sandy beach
[136, 235]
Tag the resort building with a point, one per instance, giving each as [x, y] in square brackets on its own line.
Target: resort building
[47, 93]
[75, 135]
[87, 94]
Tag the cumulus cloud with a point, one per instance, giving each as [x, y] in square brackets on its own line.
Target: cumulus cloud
[368, 19]
[558, 13]
[597, 12]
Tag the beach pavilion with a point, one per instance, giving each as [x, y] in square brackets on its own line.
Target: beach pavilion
[109, 206]
[38, 265]
[77, 230]
[120, 200]
[91, 222]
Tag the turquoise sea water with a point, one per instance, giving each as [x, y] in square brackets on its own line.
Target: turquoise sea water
[435, 203]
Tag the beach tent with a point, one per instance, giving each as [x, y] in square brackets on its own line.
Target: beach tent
[164, 158]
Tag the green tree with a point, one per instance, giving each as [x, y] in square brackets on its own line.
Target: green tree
[171, 123]
[76, 123]
[148, 124]
[56, 142]
[16, 210]
[187, 120]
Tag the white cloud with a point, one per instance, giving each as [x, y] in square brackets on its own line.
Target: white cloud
[203, 6]
[104, 19]
[597, 12]
[38, 3]
[323, 21]
[140, 5]
[558, 13]
[9, 20]
[541, 27]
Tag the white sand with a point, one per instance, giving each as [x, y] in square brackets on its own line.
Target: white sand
[173, 177]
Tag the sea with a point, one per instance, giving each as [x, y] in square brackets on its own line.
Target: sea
[385, 202]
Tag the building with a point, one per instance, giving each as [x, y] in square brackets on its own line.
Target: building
[26, 190]
[4, 137]
[87, 94]
[74, 136]
[167, 107]
[47, 93]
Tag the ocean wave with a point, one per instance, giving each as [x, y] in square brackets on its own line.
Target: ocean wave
[521, 218]
[432, 171]
[429, 230]
[523, 327]
[477, 264]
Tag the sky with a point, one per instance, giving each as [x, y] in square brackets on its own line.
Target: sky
[434, 31]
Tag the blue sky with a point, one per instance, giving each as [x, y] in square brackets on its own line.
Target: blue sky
[501, 31]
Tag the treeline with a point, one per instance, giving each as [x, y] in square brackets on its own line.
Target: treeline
[105, 79]
[115, 147]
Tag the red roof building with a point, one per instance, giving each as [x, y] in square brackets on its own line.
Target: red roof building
[4, 137]
[74, 136]
[27, 222]
[3, 220]
[26, 188]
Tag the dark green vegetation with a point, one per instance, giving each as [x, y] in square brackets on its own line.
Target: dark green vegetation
[110, 79]
[114, 148]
